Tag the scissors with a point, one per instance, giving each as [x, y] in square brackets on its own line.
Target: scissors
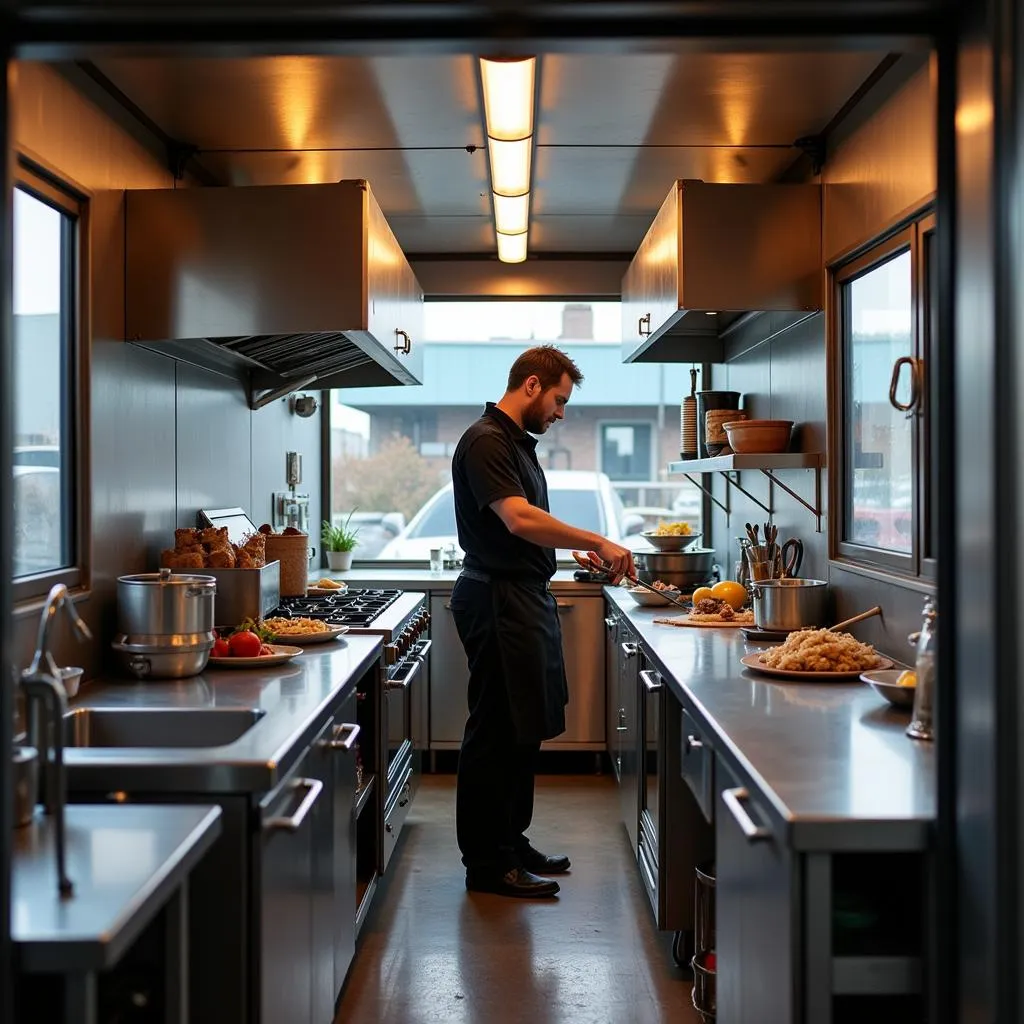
[792, 555]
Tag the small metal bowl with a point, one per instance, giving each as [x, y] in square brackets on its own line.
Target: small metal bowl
[883, 682]
[649, 599]
[670, 541]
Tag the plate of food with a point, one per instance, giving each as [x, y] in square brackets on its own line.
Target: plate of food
[277, 654]
[720, 606]
[894, 684]
[325, 586]
[817, 654]
[302, 630]
[648, 599]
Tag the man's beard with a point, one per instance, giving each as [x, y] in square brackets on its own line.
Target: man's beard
[533, 417]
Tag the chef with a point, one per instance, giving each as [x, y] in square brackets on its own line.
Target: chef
[507, 620]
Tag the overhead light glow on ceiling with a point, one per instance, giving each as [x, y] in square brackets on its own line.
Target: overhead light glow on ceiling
[511, 213]
[508, 86]
[512, 248]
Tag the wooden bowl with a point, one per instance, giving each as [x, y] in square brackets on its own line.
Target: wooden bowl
[747, 437]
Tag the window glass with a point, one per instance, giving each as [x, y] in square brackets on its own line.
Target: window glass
[879, 453]
[606, 462]
[42, 386]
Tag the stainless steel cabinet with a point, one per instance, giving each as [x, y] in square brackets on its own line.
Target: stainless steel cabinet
[627, 745]
[757, 911]
[582, 620]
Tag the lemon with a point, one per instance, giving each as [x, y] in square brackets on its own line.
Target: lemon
[907, 678]
[731, 592]
[700, 593]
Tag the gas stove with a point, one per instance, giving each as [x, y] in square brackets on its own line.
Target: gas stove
[352, 608]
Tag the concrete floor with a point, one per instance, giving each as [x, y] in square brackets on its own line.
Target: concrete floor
[430, 951]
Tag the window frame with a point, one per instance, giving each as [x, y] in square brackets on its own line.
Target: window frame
[652, 462]
[47, 187]
[918, 564]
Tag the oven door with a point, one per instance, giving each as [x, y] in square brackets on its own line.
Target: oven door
[403, 767]
[650, 696]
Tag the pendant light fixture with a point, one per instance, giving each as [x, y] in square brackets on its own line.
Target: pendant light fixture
[508, 91]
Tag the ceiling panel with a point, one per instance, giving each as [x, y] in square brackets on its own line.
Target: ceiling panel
[444, 234]
[636, 180]
[306, 102]
[697, 99]
[444, 182]
[591, 233]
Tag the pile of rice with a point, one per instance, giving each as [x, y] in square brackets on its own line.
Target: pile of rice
[818, 650]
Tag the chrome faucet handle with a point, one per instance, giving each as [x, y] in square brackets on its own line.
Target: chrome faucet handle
[57, 599]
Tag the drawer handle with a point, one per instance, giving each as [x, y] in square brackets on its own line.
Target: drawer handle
[644, 322]
[314, 788]
[564, 606]
[629, 650]
[652, 684]
[345, 744]
[610, 623]
[692, 743]
[731, 799]
[622, 727]
[404, 681]
[406, 347]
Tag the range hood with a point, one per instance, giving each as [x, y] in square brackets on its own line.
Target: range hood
[283, 287]
[714, 254]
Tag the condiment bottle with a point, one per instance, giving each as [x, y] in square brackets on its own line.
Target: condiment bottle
[922, 722]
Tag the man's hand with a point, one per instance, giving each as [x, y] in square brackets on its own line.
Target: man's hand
[618, 558]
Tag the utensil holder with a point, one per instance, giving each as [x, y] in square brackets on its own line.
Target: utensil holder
[706, 401]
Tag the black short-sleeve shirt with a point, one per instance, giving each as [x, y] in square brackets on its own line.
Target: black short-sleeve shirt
[496, 458]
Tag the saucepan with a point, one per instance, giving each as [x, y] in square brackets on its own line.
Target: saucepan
[788, 604]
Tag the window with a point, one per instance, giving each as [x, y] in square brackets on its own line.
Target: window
[47, 403]
[884, 331]
[626, 450]
[391, 448]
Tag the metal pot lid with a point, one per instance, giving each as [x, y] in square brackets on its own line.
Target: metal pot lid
[167, 641]
[166, 577]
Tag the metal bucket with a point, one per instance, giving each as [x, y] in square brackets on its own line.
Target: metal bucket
[160, 603]
[789, 604]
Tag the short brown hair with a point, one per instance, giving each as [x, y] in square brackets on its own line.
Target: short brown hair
[547, 364]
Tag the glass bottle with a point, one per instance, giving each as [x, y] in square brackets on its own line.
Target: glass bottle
[922, 722]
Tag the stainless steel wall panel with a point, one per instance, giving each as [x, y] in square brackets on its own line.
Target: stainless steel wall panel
[214, 439]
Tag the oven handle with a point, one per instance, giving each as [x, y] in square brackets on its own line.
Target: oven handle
[345, 744]
[403, 683]
[425, 650]
[651, 683]
[314, 788]
[731, 798]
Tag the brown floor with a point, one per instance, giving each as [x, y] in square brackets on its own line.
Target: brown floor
[430, 951]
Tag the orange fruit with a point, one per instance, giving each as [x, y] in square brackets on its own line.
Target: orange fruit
[732, 592]
[700, 593]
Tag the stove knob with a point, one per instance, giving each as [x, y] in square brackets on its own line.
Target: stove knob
[390, 654]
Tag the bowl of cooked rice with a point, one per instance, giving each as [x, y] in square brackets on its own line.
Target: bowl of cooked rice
[671, 536]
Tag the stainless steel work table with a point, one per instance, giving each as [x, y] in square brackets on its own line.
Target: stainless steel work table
[295, 698]
[831, 760]
[442, 582]
[127, 862]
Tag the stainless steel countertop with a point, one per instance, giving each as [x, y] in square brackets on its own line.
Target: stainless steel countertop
[126, 861]
[425, 581]
[296, 697]
[830, 760]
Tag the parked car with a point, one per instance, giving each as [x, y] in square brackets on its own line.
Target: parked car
[580, 497]
[37, 518]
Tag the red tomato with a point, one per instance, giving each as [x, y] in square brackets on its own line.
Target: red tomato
[266, 649]
[244, 645]
[220, 648]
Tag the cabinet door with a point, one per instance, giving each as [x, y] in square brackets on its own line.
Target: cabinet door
[756, 910]
[582, 624]
[288, 824]
[629, 753]
[611, 685]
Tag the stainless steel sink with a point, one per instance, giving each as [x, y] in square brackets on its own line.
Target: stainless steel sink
[157, 727]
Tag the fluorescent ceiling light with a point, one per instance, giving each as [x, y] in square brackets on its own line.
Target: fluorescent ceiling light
[508, 96]
[510, 166]
[512, 248]
[511, 213]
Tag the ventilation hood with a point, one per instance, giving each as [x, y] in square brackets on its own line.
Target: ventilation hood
[283, 287]
[714, 254]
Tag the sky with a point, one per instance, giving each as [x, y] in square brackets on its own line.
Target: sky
[36, 256]
[520, 321]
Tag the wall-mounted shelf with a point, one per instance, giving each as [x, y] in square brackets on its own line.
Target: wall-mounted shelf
[730, 466]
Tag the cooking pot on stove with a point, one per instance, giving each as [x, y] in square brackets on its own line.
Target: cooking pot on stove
[683, 569]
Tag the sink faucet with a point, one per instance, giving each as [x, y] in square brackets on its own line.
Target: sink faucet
[46, 704]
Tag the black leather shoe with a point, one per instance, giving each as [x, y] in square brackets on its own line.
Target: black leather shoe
[541, 864]
[515, 882]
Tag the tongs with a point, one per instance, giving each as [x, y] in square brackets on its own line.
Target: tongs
[593, 562]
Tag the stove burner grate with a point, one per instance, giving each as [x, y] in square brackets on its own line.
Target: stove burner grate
[351, 608]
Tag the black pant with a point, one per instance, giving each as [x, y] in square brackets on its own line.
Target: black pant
[494, 799]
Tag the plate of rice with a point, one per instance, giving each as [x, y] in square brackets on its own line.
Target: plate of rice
[817, 654]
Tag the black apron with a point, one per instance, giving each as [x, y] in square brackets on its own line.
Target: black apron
[529, 641]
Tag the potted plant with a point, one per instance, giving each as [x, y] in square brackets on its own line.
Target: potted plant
[339, 542]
